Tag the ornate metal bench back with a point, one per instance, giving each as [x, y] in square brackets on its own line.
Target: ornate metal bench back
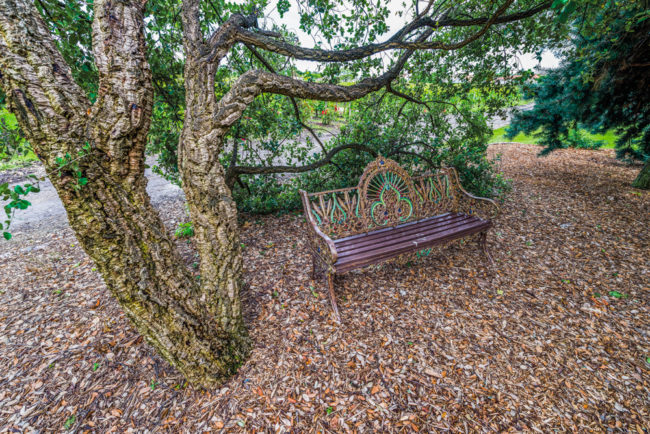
[336, 212]
[437, 193]
[388, 196]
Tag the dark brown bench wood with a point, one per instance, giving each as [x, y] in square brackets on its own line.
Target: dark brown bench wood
[389, 214]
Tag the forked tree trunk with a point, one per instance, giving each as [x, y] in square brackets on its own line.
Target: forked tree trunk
[197, 327]
[643, 178]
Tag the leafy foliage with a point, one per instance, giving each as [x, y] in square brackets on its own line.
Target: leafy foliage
[12, 142]
[461, 88]
[274, 132]
[14, 198]
[184, 230]
[602, 84]
[71, 165]
[419, 137]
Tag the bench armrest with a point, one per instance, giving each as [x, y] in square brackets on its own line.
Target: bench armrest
[482, 207]
[321, 245]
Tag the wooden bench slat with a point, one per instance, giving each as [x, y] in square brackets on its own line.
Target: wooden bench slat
[370, 260]
[390, 228]
[398, 231]
[381, 253]
[427, 232]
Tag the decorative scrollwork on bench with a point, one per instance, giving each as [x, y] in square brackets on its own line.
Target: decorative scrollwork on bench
[336, 212]
[437, 193]
[320, 243]
[388, 194]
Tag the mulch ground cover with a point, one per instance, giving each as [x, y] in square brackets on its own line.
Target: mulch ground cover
[554, 337]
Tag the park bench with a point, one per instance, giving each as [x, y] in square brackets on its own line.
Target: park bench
[390, 213]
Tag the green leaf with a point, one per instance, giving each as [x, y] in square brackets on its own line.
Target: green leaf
[7, 235]
[69, 422]
[500, 291]
[558, 3]
[22, 204]
[615, 294]
[567, 11]
[283, 7]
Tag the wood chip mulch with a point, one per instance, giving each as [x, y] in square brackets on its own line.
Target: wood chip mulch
[554, 337]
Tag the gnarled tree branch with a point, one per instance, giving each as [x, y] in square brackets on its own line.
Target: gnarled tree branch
[257, 170]
[40, 89]
[397, 41]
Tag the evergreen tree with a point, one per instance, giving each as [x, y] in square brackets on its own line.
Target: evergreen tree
[603, 83]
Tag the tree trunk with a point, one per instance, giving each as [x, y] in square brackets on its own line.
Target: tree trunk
[196, 327]
[212, 209]
[643, 178]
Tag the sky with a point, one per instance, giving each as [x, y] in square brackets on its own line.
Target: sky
[292, 20]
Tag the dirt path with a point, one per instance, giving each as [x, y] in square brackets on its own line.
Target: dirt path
[46, 212]
[555, 337]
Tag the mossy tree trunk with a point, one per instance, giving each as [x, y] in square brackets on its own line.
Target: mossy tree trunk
[643, 178]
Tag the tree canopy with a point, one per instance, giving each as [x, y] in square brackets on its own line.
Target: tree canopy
[603, 83]
[345, 35]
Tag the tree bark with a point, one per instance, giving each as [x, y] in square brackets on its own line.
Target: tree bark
[642, 180]
[213, 212]
[112, 217]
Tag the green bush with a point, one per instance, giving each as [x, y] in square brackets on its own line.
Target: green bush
[397, 131]
[13, 145]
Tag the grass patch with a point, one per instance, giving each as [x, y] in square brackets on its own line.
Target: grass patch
[18, 161]
[499, 135]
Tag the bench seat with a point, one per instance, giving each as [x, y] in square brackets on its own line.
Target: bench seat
[390, 213]
[376, 246]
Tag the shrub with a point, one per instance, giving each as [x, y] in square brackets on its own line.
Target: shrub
[391, 128]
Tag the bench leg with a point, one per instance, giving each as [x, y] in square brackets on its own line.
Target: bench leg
[484, 247]
[330, 284]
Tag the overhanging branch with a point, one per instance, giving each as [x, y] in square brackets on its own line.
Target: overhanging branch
[397, 41]
[258, 170]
